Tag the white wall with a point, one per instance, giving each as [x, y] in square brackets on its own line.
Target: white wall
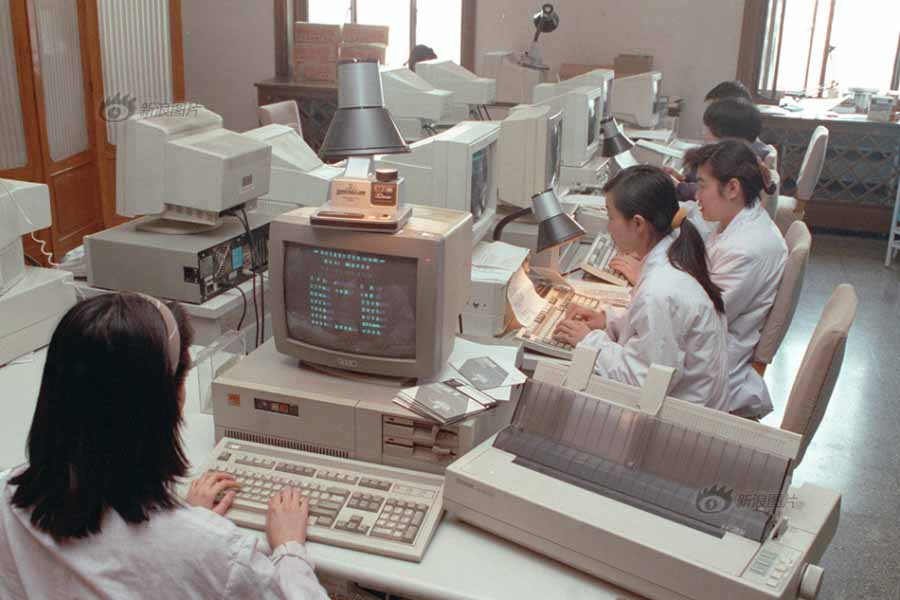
[228, 46]
[693, 42]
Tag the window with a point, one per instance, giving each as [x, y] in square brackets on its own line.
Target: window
[805, 47]
[393, 13]
[435, 23]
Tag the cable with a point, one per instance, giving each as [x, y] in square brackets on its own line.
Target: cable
[242, 217]
[484, 106]
[41, 243]
[253, 267]
[243, 307]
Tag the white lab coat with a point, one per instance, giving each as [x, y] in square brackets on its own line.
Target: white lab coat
[672, 322]
[747, 261]
[189, 553]
[695, 216]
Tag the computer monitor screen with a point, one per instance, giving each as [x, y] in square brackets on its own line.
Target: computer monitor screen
[481, 182]
[385, 304]
[595, 110]
[353, 302]
[554, 152]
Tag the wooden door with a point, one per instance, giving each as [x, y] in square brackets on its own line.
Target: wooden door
[62, 94]
[20, 148]
[130, 77]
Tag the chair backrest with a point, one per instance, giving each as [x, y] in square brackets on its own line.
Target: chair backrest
[813, 161]
[820, 367]
[770, 201]
[778, 321]
[771, 159]
[281, 113]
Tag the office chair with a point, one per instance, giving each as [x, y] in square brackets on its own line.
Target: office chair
[820, 367]
[778, 321]
[789, 208]
[282, 113]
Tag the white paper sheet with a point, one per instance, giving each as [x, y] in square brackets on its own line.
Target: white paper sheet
[523, 298]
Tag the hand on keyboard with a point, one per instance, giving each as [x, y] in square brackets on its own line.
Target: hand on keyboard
[592, 318]
[213, 490]
[571, 331]
[628, 266]
[287, 517]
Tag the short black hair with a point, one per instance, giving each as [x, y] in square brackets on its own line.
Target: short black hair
[105, 430]
[733, 118]
[729, 89]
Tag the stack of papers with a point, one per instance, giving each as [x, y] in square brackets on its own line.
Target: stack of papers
[477, 378]
[445, 402]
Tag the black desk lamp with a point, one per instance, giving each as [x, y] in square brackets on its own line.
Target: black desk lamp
[555, 227]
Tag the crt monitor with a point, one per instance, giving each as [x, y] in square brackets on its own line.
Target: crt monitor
[383, 304]
[406, 95]
[598, 78]
[582, 109]
[297, 177]
[187, 168]
[24, 209]
[636, 99]
[531, 140]
[467, 87]
[456, 169]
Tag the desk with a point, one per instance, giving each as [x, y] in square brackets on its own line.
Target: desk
[316, 102]
[462, 562]
[860, 180]
[216, 316]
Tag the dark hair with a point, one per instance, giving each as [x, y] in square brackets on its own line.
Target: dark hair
[734, 159]
[729, 89]
[733, 118]
[105, 430]
[419, 53]
[648, 191]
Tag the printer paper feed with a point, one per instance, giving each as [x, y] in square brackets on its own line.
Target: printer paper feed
[709, 484]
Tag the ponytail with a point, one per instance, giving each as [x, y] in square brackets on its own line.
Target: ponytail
[688, 254]
[647, 191]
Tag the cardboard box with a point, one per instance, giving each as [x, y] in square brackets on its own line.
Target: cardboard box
[365, 34]
[311, 72]
[315, 52]
[364, 52]
[632, 64]
[570, 70]
[316, 33]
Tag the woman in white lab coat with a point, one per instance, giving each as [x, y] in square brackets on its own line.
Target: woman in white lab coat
[94, 515]
[676, 316]
[747, 255]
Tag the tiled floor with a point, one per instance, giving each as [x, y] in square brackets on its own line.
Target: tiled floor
[857, 448]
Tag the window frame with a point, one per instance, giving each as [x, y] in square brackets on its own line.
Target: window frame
[756, 52]
[288, 11]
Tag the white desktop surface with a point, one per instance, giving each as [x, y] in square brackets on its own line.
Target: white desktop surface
[214, 308]
[462, 562]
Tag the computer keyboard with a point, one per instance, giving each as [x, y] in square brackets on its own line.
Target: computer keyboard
[538, 335]
[372, 508]
[597, 262]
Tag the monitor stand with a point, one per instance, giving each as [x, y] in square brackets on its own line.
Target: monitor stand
[172, 227]
[367, 378]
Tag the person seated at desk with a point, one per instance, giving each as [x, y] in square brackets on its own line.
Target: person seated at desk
[747, 255]
[94, 514]
[731, 118]
[728, 89]
[676, 316]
